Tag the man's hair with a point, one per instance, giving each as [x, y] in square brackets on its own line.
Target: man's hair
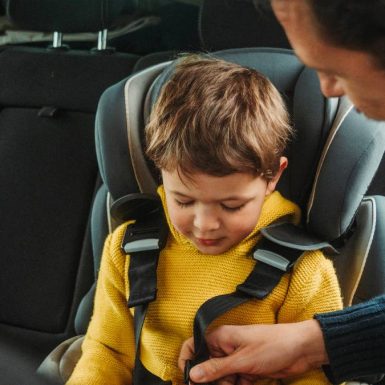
[353, 24]
[218, 118]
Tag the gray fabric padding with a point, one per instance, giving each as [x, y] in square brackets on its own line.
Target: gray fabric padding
[112, 148]
[350, 163]
[350, 263]
[372, 281]
[85, 310]
[312, 117]
[99, 225]
[60, 363]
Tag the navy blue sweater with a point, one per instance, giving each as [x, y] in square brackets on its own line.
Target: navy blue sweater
[355, 340]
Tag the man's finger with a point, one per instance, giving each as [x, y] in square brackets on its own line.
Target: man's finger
[186, 353]
[213, 369]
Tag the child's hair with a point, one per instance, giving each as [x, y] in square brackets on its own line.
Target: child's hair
[218, 118]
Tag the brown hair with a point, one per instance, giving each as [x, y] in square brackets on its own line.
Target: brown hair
[219, 118]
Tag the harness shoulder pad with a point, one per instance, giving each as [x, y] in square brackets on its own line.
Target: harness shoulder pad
[283, 243]
[134, 206]
[146, 233]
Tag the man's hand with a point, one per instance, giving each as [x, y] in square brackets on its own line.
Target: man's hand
[242, 354]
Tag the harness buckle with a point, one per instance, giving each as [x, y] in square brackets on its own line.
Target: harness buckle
[141, 245]
[272, 259]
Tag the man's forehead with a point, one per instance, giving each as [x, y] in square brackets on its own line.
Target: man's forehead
[286, 10]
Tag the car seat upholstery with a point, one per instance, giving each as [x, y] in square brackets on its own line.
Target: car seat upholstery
[332, 159]
[49, 174]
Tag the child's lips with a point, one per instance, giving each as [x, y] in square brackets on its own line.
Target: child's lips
[209, 242]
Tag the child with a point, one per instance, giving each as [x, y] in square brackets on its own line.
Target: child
[217, 134]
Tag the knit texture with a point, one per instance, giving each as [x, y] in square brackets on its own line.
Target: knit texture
[186, 279]
[355, 340]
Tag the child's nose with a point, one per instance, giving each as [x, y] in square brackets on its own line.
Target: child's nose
[206, 220]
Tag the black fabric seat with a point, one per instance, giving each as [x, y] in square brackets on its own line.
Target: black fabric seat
[49, 173]
[220, 26]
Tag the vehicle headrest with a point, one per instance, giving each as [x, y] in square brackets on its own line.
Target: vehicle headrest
[348, 164]
[219, 26]
[68, 16]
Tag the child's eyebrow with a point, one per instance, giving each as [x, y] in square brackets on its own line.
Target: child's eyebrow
[230, 198]
[179, 194]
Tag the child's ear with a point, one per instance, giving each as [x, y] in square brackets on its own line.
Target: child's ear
[283, 162]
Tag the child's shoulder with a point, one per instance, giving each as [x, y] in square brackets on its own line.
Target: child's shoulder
[114, 240]
[312, 269]
[313, 261]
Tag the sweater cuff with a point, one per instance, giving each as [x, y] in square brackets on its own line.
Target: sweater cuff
[355, 341]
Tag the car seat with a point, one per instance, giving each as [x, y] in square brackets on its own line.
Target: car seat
[332, 159]
[49, 174]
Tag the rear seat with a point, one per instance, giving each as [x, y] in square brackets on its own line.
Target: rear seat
[49, 174]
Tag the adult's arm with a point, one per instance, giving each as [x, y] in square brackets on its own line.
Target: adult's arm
[355, 340]
[351, 340]
[258, 351]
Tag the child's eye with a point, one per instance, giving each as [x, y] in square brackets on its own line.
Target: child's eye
[184, 204]
[231, 209]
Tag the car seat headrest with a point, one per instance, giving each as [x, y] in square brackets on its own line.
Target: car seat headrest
[63, 16]
[351, 158]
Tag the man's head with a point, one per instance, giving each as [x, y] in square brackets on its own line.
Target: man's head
[219, 118]
[344, 40]
[217, 133]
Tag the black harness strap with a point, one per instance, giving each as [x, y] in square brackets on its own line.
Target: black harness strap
[143, 241]
[142, 376]
[260, 283]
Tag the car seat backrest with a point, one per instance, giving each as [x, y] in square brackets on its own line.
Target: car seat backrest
[49, 174]
[324, 160]
[220, 26]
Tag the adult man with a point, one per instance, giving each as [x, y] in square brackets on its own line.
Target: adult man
[344, 40]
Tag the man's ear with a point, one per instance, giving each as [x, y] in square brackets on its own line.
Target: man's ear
[283, 162]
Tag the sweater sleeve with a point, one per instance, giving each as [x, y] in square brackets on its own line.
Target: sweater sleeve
[109, 345]
[313, 288]
[355, 340]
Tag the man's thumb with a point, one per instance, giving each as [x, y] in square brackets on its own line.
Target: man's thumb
[211, 370]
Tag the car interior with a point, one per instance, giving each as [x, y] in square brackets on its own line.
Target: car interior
[77, 83]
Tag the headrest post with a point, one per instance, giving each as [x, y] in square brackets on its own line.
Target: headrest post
[102, 40]
[57, 39]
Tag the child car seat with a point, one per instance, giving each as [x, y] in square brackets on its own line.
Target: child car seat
[332, 160]
[334, 147]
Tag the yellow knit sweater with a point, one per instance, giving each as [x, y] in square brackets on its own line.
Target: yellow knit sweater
[186, 279]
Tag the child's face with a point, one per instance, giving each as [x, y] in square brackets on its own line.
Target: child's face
[216, 213]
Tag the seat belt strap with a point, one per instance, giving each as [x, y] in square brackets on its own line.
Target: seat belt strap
[140, 373]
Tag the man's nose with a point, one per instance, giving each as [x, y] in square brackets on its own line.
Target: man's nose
[206, 219]
[330, 86]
